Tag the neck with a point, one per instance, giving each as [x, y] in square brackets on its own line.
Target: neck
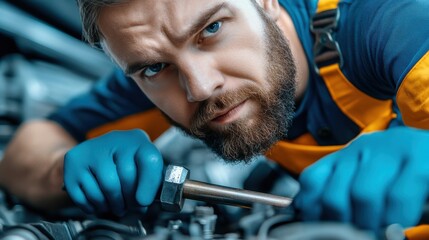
[286, 25]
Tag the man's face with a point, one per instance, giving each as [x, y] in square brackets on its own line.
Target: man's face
[220, 70]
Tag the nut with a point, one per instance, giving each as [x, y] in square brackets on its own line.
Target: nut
[172, 188]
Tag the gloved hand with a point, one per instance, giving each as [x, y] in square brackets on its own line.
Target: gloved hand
[116, 172]
[378, 179]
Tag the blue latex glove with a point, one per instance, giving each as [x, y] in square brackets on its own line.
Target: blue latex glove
[116, 172]
[378, 179]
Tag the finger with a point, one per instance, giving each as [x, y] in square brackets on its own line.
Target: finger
[108, 180]
[404, 204]
[76, 194]
[93, 193]
[78, 197]
[149, 167]
[312, 183]
[407, 195]
[336, 203]
[127, 172]
[376, 172]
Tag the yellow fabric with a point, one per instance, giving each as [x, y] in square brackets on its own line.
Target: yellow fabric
[413, 95]
[324, 5]
[368, 113]
[420, 232]
[152, 122]
[295, 155]
[358, 106]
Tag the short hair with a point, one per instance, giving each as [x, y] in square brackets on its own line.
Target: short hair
[89, 12]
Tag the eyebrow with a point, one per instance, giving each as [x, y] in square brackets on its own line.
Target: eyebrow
[201, 21]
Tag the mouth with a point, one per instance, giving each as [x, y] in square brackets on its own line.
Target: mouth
[228, 115]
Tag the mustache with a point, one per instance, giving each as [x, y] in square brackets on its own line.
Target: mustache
[210, 107]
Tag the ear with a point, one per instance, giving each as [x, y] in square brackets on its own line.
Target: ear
[271, 7]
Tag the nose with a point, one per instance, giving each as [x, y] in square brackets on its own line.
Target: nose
[199, 77]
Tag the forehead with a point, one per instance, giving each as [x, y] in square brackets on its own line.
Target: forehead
[160, 14]
[138, 28]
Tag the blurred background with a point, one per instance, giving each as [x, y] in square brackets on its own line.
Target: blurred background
[43, 60]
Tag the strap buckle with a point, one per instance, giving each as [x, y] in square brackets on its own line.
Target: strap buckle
[326, 50]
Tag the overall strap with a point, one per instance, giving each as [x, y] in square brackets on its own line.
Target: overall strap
[368, 113]
[324, 23]
[361, 108]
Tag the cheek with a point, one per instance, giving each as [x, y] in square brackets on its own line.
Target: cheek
[244, 56]
[170, 99]
[244, 63]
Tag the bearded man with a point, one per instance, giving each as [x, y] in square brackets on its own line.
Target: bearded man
[335, 99]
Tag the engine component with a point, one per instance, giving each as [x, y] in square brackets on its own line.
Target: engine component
[73, 230]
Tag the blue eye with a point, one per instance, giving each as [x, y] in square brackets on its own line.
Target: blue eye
[212, 29]
[154, 69]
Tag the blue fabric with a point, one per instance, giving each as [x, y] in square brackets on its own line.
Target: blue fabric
[110, 99]
[317, 113]
[380, 37]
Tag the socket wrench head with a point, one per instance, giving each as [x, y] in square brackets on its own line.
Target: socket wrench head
[172, 188]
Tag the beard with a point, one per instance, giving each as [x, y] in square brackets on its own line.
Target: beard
[242, 140]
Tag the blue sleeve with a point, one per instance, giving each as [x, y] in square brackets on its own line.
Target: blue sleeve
[381, 41]
[110, 99]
